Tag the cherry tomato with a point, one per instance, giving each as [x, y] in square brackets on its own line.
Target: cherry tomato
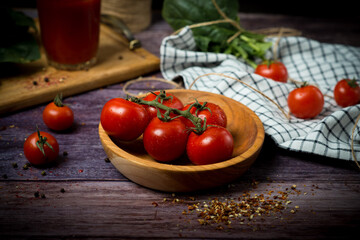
[58, 116]
[123, 119]
[274, 70]
[214, 145]
[216, 115]
[41, 148]
[165, 141]
[174, 102]
[306, 102]
[347, 93]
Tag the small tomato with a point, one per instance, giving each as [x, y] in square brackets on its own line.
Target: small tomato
[41, 148]
[274, 70]
[214, 145]
[347, 92]
[165, 141]
[123, 119]
[58, 116]
[306, 102]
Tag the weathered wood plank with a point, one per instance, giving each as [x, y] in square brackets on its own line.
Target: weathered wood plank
[122, 209]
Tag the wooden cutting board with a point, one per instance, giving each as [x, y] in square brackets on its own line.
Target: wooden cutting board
[25, 85]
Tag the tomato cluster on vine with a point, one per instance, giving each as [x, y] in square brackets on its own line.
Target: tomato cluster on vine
[170, 129]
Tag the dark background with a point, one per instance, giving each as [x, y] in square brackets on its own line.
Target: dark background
[328, 9]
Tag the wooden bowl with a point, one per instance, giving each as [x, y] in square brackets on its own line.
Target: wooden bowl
[131, 159]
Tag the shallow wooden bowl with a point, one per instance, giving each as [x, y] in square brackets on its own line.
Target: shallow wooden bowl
[131, 159]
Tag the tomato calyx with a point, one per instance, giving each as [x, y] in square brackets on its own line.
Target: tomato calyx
[40, 143]
[200, 125]
[58, 100]
[352, 83]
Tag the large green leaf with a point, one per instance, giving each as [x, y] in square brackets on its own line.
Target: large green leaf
[213, 38]
[187, 12]
[17, 43]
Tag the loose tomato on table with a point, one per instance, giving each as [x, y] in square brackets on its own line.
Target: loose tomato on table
[165, 140]
[123, 119]
[214, 145]
[58, 116]
[274, 70]
[306, 101]
[41, 148]
[213, 113]
[172, 102]
[347, 92]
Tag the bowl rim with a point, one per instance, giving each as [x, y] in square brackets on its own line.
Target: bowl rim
[253, 149]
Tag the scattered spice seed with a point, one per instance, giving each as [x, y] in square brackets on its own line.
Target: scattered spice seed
[14, 165]
[155, 204]
[65, 153]
[26, 166]
[107, 160]
[36, 194]
[5, 176]
[62, 190]
[43, 173]
[35, 83]
[247, 208]
[46, 79]
[43, 195]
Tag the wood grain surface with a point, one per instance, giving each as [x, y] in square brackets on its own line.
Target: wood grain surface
[98, 202]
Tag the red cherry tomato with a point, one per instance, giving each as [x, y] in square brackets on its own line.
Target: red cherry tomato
[58, 116]
[46, 142]
[123, 119]
[214, 145]
[347, 93]
[165, 141]
[216, 115]
[173, 103]
[306, 102]
[273, 70]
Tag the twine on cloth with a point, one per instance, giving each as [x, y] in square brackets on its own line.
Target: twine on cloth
[142, 79]
[287, 115]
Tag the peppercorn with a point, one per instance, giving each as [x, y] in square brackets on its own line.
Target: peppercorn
[36, 194]
[26, 166]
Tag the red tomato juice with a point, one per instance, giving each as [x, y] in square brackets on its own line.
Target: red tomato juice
[69, 29]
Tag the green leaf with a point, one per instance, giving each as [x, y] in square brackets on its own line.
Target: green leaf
[213, 38]
[17, 43]
[187, 12]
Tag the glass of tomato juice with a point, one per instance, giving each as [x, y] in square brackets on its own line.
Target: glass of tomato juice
[70, 32]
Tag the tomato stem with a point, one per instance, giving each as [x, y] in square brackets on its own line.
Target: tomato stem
[58, 100]
[42, 140]
[199, 127]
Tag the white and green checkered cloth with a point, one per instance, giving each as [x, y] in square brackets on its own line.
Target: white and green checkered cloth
[329, 134]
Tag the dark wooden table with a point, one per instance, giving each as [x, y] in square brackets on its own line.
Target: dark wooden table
[320, 196]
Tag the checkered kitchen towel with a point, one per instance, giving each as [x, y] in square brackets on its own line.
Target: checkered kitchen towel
[329, 134]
